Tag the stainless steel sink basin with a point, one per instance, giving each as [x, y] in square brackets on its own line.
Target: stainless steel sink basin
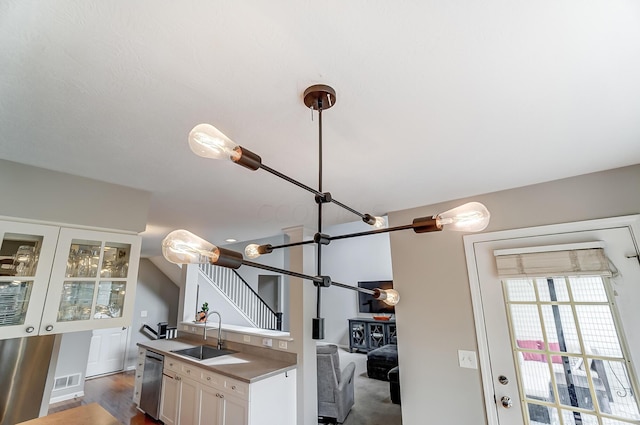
[202, 352]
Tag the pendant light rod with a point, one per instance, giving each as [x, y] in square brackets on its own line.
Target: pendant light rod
[317, 279]
[290, 180]
[319, 194]
[371, 232]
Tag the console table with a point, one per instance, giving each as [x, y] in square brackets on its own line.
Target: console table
[366, 334]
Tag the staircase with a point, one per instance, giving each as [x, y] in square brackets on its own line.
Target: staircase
[242, 295]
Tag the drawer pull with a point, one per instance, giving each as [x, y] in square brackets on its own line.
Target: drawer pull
[208, 378]
[233, 387]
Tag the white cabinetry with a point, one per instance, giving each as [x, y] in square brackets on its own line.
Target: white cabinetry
[137, 387]
[195, 396]
[170, 400]
[58, 279]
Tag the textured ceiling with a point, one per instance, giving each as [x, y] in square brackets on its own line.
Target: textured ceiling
[435, 100]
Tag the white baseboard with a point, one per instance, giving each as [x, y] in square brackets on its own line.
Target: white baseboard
[130, 368]
[66, 397]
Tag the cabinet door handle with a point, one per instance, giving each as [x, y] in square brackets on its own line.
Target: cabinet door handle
[221, 395]
[178, 378]
[49, 328]
[30, 329]
[233, 387]
[208, 378]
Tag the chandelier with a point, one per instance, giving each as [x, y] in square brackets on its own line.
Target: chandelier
[183, 247]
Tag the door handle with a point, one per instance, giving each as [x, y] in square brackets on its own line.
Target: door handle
[506, 402]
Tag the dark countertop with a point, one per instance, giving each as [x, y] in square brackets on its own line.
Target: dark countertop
[240, 365]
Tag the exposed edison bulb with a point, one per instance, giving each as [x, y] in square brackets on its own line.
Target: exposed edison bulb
[379, 223]
[469, 217]
[388, 296]
[251, 251]
[208, 142]
[183, 247]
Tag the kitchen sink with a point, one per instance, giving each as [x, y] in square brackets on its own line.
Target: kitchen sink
[202, 352]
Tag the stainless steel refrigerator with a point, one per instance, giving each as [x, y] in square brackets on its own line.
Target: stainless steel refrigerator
[24, 368]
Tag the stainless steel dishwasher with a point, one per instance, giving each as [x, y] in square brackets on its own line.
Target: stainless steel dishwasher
[152, 384]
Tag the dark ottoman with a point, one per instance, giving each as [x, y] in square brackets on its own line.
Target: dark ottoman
[394, 384]
[381, 360]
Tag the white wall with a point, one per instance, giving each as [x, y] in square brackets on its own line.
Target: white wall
[45, 195]
[349, 261]
[435, 316]
[72, 359]
[158, 296]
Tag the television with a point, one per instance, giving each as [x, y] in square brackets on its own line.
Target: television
[368, 304]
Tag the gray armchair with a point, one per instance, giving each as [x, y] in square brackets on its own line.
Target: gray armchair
[335, 387]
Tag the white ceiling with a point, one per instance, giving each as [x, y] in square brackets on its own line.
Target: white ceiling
[436, 100]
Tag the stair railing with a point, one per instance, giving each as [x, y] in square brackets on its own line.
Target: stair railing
[240, 293]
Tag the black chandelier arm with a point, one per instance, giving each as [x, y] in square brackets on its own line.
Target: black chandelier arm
[319, 194]
[291, 180]
[340, 204]
[326, 238]
[288, 245]
[315, 279]
[371, 232]
[354, 288]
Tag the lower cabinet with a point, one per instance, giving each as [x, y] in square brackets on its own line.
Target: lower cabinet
[217, 407]
[137, 389]
[194, 396]
[169, 400]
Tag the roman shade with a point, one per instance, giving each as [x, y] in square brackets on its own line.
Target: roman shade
[558, 260]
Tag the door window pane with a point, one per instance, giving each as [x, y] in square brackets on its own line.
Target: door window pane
[571, 363]
[520, 290]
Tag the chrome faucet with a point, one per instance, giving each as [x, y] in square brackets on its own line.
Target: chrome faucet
[204, 335]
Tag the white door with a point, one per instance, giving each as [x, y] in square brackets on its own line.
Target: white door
[537, 387]
[107, 351]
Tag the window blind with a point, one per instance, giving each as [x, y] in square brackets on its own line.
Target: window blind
[574, 262]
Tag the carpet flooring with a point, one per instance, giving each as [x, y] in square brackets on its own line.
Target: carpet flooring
[372, 400]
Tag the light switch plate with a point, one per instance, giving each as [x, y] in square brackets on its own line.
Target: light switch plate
[467, 359]
[247, 338]
[143, 313]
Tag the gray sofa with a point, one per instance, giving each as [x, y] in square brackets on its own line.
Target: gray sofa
[335, 386]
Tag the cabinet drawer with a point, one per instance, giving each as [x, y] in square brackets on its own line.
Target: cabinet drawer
[237, 388]
[211, 379]
[190, 371]
[172, 365]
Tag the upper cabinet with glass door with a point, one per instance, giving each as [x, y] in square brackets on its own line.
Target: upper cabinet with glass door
[93, 281]
[26, 254]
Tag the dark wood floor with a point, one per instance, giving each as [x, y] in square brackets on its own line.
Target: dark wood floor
[114, 393]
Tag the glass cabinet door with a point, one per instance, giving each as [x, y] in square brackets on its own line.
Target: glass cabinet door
[95, 289]
[26, 256]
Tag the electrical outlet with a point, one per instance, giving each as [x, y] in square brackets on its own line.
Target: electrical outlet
[467, 359]
[247, 338]
[282, 344]
[193, 328]
[143, 313]
[267, 342]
